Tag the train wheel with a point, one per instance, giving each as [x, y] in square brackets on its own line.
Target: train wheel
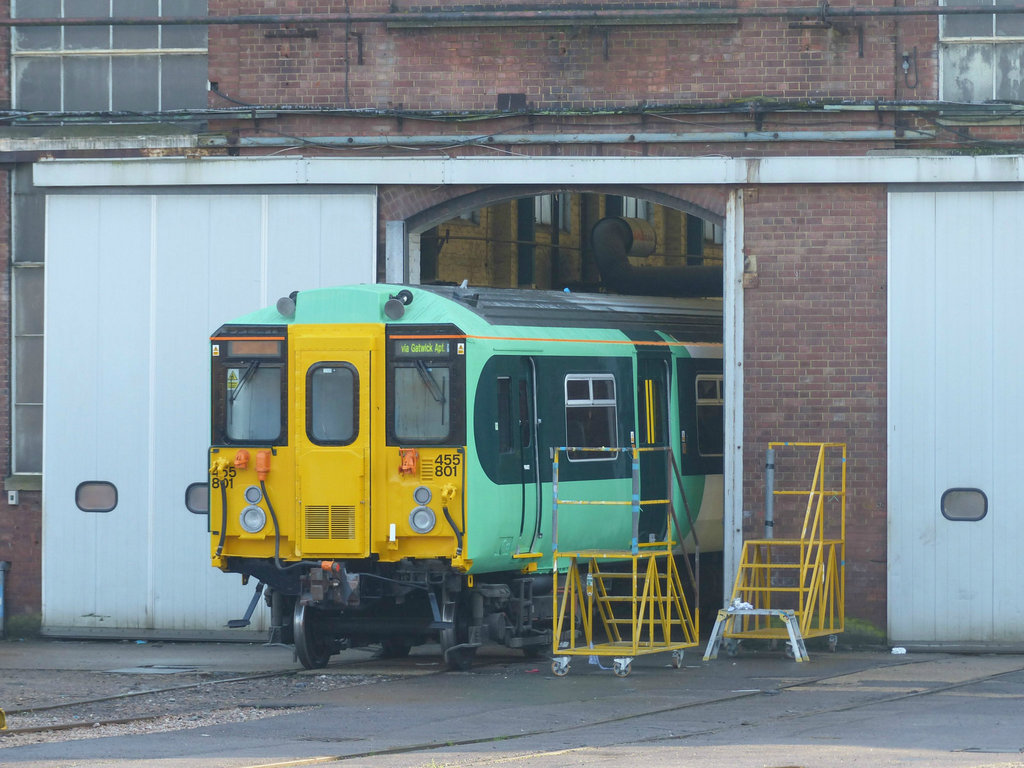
[457, 659]
[311, 645]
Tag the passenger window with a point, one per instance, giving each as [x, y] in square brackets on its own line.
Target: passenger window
[253, 394]
[590, 416]
[332, 403]
[710, 416]
[524, 415]
[422, 409]
[504, 422]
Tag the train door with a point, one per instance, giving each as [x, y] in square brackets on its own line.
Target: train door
[332, 442]
[652, 425]
[518, 457]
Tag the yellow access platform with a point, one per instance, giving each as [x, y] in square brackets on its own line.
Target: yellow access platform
[793, 588]
[633, 595]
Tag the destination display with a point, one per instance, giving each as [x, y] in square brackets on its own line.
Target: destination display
[422, 348]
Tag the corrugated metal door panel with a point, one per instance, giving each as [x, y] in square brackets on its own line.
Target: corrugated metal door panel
[964, 410]
[135, 285]
[208, 252]
[331, 232]
[954, 364]
[911, 423]
[1007, 500]
[96, 394]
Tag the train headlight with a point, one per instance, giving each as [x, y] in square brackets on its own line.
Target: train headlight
[422, 519]
[422, 495]
[252, 519]
[253, 494]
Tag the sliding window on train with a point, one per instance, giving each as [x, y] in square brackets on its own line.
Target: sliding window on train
[710, 416]
[504, 415]
[509, 419]
[590, 416]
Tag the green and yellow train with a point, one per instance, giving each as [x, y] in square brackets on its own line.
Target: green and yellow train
[381, 455]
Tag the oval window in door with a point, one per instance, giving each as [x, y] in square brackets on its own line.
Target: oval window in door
[96, 496]
[964, 504]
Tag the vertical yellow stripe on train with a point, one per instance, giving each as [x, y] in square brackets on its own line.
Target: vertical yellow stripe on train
[649, 392]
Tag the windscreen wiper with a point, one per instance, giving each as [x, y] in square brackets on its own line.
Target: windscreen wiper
[431, 383]
[249, 371]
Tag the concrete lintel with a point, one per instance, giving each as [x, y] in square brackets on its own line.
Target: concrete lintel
[542, 170]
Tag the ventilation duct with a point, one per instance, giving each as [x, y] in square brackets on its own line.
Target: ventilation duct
[616, 239]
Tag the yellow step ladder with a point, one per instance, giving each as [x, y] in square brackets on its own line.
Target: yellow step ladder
[648, 613]
[793, 589]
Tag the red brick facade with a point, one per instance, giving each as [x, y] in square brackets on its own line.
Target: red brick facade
[815, 313]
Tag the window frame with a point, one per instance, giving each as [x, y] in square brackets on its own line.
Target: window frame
[963, 491]
[311, 404]
[543, 206]
[395, 410]
[222, 361]
[108, 58]
[592, 402]
[718, 401]
[949, 42]
[95, 484]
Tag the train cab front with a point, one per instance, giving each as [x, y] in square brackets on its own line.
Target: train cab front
[251, 468]
[337, 479]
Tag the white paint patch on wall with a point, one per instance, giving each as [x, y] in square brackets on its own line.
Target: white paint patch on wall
[135, 285]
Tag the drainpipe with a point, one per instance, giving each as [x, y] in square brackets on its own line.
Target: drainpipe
[4, 568]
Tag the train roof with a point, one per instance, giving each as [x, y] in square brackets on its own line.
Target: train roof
[689, 320]
[684, 319]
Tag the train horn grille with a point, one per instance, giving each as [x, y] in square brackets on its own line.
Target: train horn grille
[330, 522]
[426, 470]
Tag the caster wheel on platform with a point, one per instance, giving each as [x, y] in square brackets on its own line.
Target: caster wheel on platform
[560, 667]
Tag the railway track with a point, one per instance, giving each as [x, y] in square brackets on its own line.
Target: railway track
[184, 706]
[510, 739]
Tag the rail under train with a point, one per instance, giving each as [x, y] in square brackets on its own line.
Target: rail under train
[381, 457]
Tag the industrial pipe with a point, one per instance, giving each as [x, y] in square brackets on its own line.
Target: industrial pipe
[615, 239]
[502, 139]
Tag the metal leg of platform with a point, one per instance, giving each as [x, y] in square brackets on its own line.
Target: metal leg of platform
[727, 616]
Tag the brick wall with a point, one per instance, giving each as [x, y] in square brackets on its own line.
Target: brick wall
[815, 356]
[434, 66]
[20, 526]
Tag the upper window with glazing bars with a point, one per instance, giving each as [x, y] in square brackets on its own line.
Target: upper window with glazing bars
[102, 68]
[981, 55]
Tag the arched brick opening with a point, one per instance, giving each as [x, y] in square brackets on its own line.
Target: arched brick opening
[422, 207]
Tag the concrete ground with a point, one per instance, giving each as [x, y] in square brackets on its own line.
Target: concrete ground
[757, 710]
